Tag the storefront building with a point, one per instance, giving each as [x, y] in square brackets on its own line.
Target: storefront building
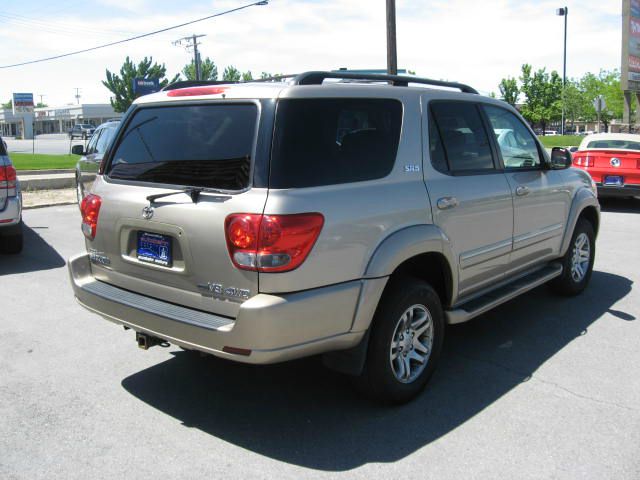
[54, 119]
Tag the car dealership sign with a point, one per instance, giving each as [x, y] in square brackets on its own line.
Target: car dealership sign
[23, 103]
[145, 86]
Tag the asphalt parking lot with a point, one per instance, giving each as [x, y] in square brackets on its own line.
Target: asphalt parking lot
[54, 143]
[542, 387]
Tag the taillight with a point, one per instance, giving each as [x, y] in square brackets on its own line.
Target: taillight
[90, 208]
[271, 243]
[582, 161]
[9, 180]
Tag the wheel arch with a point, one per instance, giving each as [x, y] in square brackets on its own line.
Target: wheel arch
[585, 205]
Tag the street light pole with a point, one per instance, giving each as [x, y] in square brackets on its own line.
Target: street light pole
[392, 53]
[564, 12]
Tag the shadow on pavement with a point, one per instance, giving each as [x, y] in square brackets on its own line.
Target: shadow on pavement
[620, 205]
[302, 414]
[36, 255]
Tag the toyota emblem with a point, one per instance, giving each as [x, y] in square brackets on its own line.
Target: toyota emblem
[615, 162]
[147, 212]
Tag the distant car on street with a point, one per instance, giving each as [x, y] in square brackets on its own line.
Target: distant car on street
[11, 237]
[89, 164]
[613, 161]
[81, 130]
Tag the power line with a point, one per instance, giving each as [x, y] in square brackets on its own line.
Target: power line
[262, 2]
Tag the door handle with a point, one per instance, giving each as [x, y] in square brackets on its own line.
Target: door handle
[446, 203]
[521, 191]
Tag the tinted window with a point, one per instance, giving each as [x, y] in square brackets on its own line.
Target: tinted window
[104, 140]
[91, 146]
[196, 145]
[3, 151]
[463, 136]
[619, 144]
[436, 150]
[515, 141]
[332, 141]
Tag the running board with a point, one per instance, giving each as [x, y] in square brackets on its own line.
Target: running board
[480, 305]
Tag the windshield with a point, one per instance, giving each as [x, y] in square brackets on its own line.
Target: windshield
[196, 145]
[617, 144]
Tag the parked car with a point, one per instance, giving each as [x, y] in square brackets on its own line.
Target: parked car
[11, 235]
[89, 163]
[81, 130]
[267, 222]
[613, 161]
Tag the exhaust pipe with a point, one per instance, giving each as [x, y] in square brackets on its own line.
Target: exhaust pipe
[145, 342]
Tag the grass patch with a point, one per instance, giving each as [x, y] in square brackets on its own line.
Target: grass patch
[560, 140]
[39, 161]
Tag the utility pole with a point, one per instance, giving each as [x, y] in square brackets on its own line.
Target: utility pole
[77, 95]
[41, 95]
[564, 12]
[192, 42]
[392, 53]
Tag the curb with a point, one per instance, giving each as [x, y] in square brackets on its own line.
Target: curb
[44, 205]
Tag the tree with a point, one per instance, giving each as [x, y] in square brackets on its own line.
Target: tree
[574, 102]
[122, 85]
[543, 93]
[509, 90]
[41, 105]
[208, 70]
[247, 77]
[231, 74]
[607, 84]
[8, 105]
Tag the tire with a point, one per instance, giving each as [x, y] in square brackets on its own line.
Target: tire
[12, 243]
[575, 272]
[385, 377]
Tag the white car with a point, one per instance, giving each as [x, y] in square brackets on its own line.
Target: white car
[10, 205]
[516, 148]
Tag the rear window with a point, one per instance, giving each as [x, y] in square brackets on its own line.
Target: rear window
[332, 141]
[619, 144]
[196, 145]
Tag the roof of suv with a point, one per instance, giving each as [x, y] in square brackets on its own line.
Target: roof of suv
[306, 84]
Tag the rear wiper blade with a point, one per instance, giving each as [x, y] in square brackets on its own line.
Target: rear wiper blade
[193, 192]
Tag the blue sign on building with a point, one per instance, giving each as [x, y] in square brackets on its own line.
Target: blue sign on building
[145, 86]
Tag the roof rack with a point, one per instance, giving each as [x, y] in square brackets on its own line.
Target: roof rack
[194, 83]
[316, 78]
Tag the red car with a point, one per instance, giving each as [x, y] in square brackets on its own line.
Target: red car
[613, 161]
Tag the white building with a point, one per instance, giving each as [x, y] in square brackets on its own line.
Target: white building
[54, 119]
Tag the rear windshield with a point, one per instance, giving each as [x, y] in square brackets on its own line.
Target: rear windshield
[197, 145]
[619, 144]
[331, 141]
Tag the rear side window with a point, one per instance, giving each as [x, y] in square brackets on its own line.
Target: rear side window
[463, 137]
[196, 145]
[3, 151]
[332, 141]
[104, 140]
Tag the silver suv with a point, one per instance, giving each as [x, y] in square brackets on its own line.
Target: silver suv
[11, 236]
[348, 215]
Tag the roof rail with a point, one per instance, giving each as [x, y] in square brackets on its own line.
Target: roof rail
[194, 83]
[316, 78]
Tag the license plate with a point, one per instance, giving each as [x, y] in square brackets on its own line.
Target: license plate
[154, 248]
[613, 181]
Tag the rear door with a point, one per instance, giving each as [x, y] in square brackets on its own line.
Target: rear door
[470, 196]
[174, 248]
[540, 199]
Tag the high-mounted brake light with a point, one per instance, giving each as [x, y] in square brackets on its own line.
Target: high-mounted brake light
[271, 243]
[8, 180]
[90, 208]
[195, 91]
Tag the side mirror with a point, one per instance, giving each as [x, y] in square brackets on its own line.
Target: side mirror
[77, 150]
[560, 158]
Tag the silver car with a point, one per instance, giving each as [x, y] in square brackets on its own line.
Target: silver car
[341, 214]
[11, 236]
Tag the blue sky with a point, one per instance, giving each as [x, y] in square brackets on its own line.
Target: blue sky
[475, 42]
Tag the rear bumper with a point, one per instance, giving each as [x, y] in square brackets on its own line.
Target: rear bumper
[274, 328]
[629, 190]
[11, 213]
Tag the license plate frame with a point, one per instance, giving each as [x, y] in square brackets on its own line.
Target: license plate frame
[613, 181]
[154, 248]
